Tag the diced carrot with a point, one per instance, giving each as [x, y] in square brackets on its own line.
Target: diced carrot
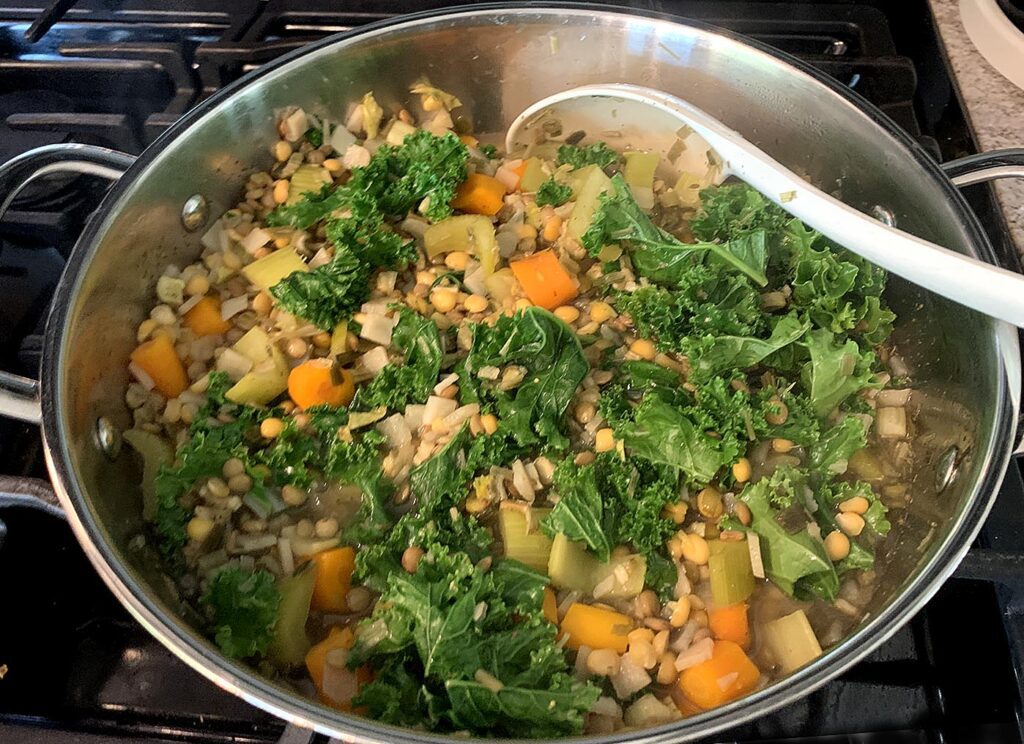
[159, 359]
[550, 605]
[480, 194]
[545, 280]
[204, 318]
[596, 627]
[333, 579]
[730, 623]
[320, 381]
[316, 663]
[727, 675]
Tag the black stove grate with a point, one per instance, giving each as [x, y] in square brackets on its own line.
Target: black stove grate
[117, 73]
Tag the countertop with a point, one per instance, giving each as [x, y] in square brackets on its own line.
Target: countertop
[994, 106]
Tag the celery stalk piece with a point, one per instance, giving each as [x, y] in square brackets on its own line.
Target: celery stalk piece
[732, 579]
[307, 179]
[639, 169]
[269, 375]
[589, 183]
[533, 176]
[155, 452]
[570, 566]
[532, 548]
[791, 641]
[290, 642]
[271, 269]
[472, 233]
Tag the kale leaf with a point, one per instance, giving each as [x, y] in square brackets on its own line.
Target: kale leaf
[577, 156]
[329, 293]
[553, 193]
[398, 385]
[835, 370]
[243, 604]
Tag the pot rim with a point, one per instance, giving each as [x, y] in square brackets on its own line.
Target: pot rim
[200, 654]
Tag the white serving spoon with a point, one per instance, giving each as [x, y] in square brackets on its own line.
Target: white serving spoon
[645, 119]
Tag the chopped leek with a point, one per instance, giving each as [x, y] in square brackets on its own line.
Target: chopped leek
[472, 233]
[639, 169]
[155, 452]
[732, 579]
[589, 183]
[533, 176]
[532, 548]
[269, 375]
[307, 179]
[570, 566]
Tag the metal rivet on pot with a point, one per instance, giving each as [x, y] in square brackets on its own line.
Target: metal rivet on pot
[108, 437]
[947, 469]
[883, 215]
[837, 48]
[195, 212]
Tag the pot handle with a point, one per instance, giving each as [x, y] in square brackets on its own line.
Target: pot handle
[986, 166]
[19, 396]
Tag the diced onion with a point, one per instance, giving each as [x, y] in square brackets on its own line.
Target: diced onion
[342, 139]
[474, 278]
[231, 308]
[462, 414]
[488, 373]
[893, 398]
[396, 430]
[756, 561]
[284, 550]
[256, 239]
[190, 303]
[295, 125]
[170, 290]
[377, 328]
[507, 175]
[321, 258]
[446, 383]
[630, 679]
[698, 653]
[234, 364]
[386, 281]
[580, 667]
[140, 374]
[414, 415]
[437, 407]
[891, 422]
[521, 480]
[606, 706]
[375, 360]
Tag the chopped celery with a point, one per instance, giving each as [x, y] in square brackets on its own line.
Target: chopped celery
[271, 269]
[398, 131]
[307, 179]
[688, 189]
[571, 566]
[791, 641]
[532, 548]
[290, 642]
[472, 233]
[534, 175]
[155, 452]
[732, 579]
[588, 185]
[639, 169]
[501, 285]
[620, 578]
[269, 375]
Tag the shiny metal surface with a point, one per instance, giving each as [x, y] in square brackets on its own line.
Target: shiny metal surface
[986, 166]
[195, 213]
[19, 396]
[498, 60]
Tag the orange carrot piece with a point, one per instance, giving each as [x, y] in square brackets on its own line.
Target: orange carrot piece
[596, 627]
[550, 605]
[333, 579]
[480, 194]
[545, 280]
[730, 623]
[316, 662]
[204, 318]
[727, 675]
[159, 359]
[320, 381]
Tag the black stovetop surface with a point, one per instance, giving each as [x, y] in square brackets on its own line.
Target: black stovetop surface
[74, 667]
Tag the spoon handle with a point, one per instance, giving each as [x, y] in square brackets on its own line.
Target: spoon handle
[989, 289]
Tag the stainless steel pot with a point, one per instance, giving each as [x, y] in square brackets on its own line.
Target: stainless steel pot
[498, 60]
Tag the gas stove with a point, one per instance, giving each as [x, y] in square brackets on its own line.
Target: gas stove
[74, 667]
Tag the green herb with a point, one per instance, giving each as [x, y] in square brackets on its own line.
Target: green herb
[490, 151]
[553, 193]
[554, 365]
[660, 256]
[577, 156]
[243, 604]
[662, 433]
[793, 559]
[329, 293]
[835, 371]
[579, 512]
[830, 454]
[398, 385]
[315, 136]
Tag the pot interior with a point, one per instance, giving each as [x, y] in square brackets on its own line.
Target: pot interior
[497, 62]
